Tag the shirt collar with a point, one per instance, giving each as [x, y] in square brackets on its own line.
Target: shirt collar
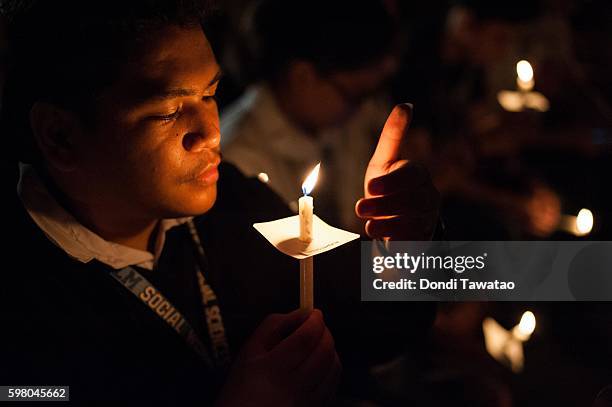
[284, 137]
[75, 239]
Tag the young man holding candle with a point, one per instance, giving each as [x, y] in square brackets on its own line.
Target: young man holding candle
[129, 285]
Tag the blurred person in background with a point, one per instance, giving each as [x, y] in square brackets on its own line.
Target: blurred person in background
[320, 69]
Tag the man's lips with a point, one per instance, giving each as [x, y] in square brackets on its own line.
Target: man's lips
[210, 174]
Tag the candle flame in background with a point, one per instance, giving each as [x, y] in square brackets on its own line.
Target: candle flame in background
[525, 80]
[584, 222]
[311, 180]
[578, 225]
[524, 71]
[263, 177]
[527, 325]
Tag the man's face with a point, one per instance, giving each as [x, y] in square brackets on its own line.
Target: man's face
[154, 148]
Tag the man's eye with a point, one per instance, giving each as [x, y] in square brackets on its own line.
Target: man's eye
[167, 117]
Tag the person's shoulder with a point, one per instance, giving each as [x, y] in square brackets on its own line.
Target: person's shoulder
[37, 275]
[28, 248]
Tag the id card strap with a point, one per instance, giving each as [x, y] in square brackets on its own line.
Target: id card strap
[211, 306]
[162, 307]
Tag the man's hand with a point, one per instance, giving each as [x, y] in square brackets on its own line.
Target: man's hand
[290, 360]
[401, 202]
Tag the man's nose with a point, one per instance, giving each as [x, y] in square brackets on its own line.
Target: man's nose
[203, 133]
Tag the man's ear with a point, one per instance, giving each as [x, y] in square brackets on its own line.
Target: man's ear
[55, 131]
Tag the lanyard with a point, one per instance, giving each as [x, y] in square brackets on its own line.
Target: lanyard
[210, 304]
[161, 306]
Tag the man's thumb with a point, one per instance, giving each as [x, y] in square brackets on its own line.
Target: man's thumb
[388, 147]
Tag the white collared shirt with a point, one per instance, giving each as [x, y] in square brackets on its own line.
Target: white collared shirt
[75, 239]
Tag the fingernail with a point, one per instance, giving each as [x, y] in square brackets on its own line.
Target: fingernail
[365, 207]
[375, 187]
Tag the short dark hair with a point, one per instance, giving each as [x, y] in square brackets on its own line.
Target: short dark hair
[66, 51]
[333, 35]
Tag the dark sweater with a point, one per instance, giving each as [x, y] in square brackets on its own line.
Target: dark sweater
[69, 323]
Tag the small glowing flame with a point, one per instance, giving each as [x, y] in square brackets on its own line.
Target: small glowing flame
[584, 221]
[524, 71]
[263, 177]
[527, 325]
[311, 180]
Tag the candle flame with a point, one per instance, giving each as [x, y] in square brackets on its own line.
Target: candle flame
[524, 71]
[527, 324]
[311, 180]
[584, 221]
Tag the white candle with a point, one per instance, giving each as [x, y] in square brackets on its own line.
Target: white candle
[306, 284]
[306, 210]
[306, 265]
